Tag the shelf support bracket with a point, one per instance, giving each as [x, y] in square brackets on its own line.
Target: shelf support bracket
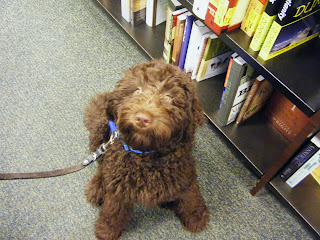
[311, 126]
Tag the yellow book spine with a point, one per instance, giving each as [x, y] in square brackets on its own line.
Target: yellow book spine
[270, 40]
[203, 69]
[252, 17]
[262, 31]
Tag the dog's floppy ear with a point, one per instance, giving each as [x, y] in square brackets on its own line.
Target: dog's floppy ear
[96, 117]
[197, 111]
[196, 108]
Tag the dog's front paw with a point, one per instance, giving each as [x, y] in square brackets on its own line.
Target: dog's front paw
[195, 221]
[94, 191]
[105, 231]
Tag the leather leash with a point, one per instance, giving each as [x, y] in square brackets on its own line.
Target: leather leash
[91, 158]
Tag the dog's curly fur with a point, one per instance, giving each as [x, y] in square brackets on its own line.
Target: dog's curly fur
[166, 176]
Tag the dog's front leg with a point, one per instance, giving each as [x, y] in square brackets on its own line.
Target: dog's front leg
[96, 120]
[94, 190]
[192, 210]
[113, 218]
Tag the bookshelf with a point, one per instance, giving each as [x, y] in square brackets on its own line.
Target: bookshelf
[294, 73]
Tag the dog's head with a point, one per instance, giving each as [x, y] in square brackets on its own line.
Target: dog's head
[155, 105]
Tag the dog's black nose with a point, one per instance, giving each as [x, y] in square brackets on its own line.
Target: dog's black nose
[143, 119]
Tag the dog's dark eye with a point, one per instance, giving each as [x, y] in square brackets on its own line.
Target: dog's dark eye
[167, 98]
[138, 91]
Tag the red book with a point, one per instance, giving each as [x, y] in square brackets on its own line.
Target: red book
[219, 14]
[285, 116]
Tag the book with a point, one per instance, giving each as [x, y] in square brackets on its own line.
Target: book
[310, 165]
[177, 42]
[197, 31]
[316, 174]
[219, 14]
[297, 22]
[215, 58]
[169, 35]
[267, 18]
[199, 8]
[156, 12]
[126, 10]
[256, 99]
[236, 70]
[199, 53]
[138, 11]
[252, 16]
[238, 15]
[285, 116]
[172, 6]
[185, 40]
[299, 159]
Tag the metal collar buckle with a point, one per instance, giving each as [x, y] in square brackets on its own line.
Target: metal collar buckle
[101, 150]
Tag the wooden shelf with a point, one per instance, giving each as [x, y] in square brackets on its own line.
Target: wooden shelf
[251, 138]
[294, 73]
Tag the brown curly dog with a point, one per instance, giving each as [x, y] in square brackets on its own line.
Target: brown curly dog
[157, 112]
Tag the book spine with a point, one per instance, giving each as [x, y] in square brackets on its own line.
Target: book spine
[307, 152]
[219, 15]
[199, 55]
[252, 16]
[233, 82]
[203, 64]
[198, 30]
[304, 170]
[261, 32]
[241, 96]
[270, 40]
[316, 174]
[249, 98]
[138, 11]
[238, 15]
[151, 9]
[125, 10]
[268, 16]
[178, 40]
[185, 40]
[169, 38]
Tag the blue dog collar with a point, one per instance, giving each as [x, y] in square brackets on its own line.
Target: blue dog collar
[114, 127]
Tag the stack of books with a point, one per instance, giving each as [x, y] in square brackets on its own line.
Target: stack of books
[192, 46]
[151, 12]
[304, 163]
[275, 26]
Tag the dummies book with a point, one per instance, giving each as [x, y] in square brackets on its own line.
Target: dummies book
[219, 15]
[297, 22]
[253, 16]
[267, 18]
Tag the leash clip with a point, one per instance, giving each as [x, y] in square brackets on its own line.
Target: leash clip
[101, 150]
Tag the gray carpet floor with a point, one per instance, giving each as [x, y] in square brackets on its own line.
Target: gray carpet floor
[55, 56]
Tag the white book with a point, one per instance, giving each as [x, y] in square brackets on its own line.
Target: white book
[200, 8]
[198, 54]
[126, 10]
[156, 12]
[308, 166]
[198, 29]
